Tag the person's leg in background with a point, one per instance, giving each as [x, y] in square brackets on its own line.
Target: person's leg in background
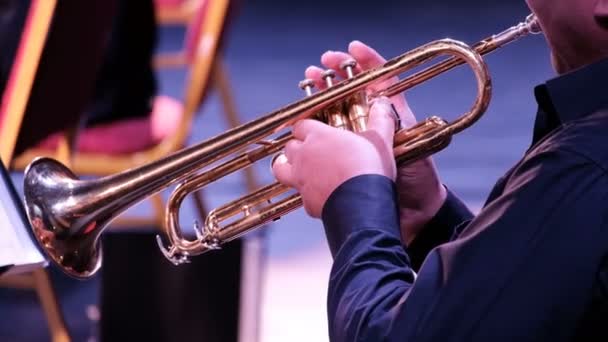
[126, 84]
[12, 19]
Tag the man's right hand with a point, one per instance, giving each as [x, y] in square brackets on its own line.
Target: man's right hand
[421, 193]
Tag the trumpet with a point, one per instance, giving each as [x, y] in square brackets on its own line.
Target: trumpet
[68, 215]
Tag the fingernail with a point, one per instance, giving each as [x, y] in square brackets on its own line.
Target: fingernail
[327, 53]
[311, 68]
[279, 158]
[382, 100]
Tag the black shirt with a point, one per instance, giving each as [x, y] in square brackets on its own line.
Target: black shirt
[531, 266]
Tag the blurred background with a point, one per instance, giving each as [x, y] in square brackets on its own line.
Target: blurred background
[266, 46]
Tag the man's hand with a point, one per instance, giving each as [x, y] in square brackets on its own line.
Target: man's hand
[421, 193]
[321, 157]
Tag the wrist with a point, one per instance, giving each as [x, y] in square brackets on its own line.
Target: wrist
[414, 218]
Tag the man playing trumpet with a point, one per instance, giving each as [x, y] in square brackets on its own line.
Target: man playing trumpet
[412, 263]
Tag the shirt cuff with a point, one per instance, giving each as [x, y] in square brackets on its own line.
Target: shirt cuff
[439, 229]
[362, 202]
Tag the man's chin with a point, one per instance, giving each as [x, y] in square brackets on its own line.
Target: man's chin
[601, 13]
[602, 21]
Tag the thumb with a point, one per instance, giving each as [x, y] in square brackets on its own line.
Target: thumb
[282, 170]
[383, 119]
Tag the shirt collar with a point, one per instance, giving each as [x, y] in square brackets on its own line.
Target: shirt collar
[575, 94]
[570, 96]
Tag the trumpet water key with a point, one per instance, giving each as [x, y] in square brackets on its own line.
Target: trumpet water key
[68, 214]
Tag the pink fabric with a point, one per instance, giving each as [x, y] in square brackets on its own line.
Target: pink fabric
[130, 135]
[193, 31]
[169, 3]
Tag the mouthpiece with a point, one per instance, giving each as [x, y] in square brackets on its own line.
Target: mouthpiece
[532, 24]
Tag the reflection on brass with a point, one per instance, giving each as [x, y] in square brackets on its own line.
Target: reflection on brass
[68, 215]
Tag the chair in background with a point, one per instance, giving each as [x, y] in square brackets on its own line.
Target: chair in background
[30, 108]
[111, 148]
[176, 12]
[104, 150]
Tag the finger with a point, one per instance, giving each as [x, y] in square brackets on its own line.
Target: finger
[310, 211]
[283, 171]
[382, 119]
[304, 128]
[365, 56]
[334, 60]
[316, 75]
[368, 58]
[291, 150]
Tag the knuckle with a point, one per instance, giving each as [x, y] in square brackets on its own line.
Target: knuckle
[299, 181]
[291, 145]
[308, 207]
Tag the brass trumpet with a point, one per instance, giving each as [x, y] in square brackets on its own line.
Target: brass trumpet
[68, 215]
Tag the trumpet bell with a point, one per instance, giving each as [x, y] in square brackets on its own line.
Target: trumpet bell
[66, 234]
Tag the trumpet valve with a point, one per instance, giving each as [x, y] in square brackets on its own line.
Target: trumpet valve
[337, 120]
[307, 85]
[348, 66]
[329, 75]
[334, 115]
[358, 111]
[358, 108]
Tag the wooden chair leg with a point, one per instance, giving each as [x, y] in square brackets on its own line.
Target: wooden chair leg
[67, 145]
[223, 86]
[50, 306]
[253, 261]
[63, 151]
[199, 203]
[18, 281]
[254, 251]
[159, 209]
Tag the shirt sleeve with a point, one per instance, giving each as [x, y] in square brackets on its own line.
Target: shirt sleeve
[517, 251]
[441, 229]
